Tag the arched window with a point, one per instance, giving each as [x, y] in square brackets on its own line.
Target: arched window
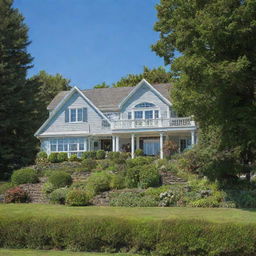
[145, 105]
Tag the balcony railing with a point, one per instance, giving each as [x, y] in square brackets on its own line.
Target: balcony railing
[153, 123]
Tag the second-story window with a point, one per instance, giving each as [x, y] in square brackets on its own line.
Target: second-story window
[76, 115]
[138, 114]
[129, 115]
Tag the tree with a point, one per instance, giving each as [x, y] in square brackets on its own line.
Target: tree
[102, 85]
[16, 98]
[215, 76]
[155, 75]
[48, 87]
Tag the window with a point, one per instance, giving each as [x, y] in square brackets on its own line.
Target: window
[129, 115]
[72, 115]
[149, 114]
[145, 105]
[138, 114]
[53, 146]
[76, 115]
[79, 114]
[69, 145]
[156, 114]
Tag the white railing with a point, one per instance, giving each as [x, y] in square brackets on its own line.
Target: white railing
[153, 123]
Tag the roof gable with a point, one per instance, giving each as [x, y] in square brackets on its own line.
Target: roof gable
[144, 82]
[64, 99]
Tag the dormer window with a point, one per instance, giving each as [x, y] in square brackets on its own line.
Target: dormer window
[145, 105]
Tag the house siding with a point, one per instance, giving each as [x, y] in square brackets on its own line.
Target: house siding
[145, 94]
[92, 126]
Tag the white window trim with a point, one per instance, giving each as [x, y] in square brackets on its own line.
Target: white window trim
[69, 114]
[68, 149]
[143, 113]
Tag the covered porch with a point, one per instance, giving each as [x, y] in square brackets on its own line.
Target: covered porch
[152, 143]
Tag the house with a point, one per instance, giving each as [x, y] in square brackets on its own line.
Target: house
[115, 119]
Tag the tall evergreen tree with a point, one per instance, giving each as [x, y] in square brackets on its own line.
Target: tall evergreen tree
[48, 87]
[215, 76]
[16, 97]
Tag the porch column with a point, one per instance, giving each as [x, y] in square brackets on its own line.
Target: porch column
[86, 144]
[113, 143]
[137, 142]
[161, 145]
[132, 146]
[89, 144]
[117, 144]
[192, 138]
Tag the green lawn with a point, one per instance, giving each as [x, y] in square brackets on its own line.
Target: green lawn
[6, 252]
[210, 214]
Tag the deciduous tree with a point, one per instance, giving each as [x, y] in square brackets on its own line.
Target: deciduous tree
[215, 76]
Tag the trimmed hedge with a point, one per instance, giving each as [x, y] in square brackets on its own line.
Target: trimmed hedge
[60, 179]
[77, 198]
[24, 176]
[159, 237]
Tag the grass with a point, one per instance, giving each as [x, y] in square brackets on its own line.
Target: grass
[218, 215]
[7, 252]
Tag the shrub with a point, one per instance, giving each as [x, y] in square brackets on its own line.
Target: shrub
[41, 157]
[24, 176]
[117, 181]
[100, 154]
[98, 182]
[53, 157]
[89, 154]
[131, 199]
[58, 196]
[170, 148]
[205, 202]
[60, 179]
[138, 152]
[104, 164]
[89, 164]
[74, 158]
[118, 157]
[139, 161]
[48, 188]
[5, 186]
[77, 198]
[149, 177]
[78, 185]
[62, 156]
[132, 177]
[16, 195]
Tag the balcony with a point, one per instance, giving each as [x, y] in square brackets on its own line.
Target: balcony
[153, 123]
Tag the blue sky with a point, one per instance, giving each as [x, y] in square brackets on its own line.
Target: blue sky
[91, 41]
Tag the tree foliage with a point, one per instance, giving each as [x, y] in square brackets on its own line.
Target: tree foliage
[215, 76]
[48, 87]
[155, 75]
[16, 98]
[102, 85]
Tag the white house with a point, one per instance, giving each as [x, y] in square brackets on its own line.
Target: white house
[117, 119]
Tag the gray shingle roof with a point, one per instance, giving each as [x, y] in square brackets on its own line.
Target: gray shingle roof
[108, 99]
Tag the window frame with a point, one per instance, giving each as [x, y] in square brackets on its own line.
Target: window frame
[66, 145]
[76, 115]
